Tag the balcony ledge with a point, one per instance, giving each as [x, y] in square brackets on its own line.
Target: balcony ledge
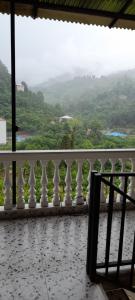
[39, 211]
[51, 210]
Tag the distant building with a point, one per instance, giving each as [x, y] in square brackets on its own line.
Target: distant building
[20, 87]
[65, 118]
[88, 132]
[22, 136]
[3, 132]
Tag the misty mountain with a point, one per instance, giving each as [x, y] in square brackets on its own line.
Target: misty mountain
[109, 99]
[59, 79]
[66, 89]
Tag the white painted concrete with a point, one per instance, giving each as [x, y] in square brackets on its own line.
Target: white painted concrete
[3, 133]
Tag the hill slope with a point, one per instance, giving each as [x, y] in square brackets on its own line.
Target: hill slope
[110, 99]
[32, 113]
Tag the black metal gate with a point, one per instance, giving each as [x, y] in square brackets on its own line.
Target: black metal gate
[93, 267]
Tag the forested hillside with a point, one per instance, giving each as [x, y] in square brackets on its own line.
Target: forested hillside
[5, 94]
[110, 99]
[96, 104]
[32, 113]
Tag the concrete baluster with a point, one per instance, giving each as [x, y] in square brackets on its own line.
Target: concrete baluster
[32, 197]
[91, 164]
[44, 182]
[103, 197]
[20, 182]
[79, 196]
[56, 198]
[7, 187]
[113, 162]
[132, 180]
[122, 180]
[68, 180]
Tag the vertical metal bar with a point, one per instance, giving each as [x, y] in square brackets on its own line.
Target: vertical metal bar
[90, 221]
[109, 226]
[132, 264]
[122, 227]
[95, 226]
[13, 89]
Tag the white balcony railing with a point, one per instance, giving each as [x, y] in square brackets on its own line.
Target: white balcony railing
[124, 156]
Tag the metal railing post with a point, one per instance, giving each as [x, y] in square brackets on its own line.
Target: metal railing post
[132, 265]
[90, 220]
[93, 227]
[13, 89]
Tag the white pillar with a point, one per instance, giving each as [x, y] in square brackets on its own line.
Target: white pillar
[32, 197]
[122, 180]
[68, 179]
[20, 182]
[7, 187]
[91, 163]
[113, 162]
[44, 182]
[79, 196]
[56, 198]
[132, 181]
[103, 197]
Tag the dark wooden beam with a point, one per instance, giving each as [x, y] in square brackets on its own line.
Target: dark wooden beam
[35, 9]
[77, 10]
[123, 9]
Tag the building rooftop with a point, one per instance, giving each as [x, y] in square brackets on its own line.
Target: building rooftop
[66, 117]
[19, 84]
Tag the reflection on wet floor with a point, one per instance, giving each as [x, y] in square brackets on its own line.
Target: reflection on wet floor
[45, 258]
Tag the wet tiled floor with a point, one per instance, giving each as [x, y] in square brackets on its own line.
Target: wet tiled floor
[45, 258]
[129, 230]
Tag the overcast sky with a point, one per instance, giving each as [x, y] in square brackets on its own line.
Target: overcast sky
[46, 49]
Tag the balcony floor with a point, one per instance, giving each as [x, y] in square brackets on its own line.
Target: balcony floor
[45, 258]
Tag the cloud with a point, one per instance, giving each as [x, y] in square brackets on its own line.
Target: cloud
[46, 49]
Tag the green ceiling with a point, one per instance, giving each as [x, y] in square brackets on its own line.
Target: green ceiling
[105, 5]
[112, 13]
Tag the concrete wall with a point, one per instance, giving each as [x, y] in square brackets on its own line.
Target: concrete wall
[3, 134]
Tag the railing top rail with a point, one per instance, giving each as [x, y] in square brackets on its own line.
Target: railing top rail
[93, 154]
[72, 150]
[117, 174]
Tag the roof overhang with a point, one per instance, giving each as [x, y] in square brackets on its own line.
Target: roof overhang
[123, 16]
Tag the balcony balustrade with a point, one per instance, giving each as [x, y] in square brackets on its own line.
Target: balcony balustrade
[99, 159]
[57, 245]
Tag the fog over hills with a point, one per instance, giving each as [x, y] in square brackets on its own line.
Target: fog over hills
[73, 88]
[108, 99]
